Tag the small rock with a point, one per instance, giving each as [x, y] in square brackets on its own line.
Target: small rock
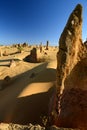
[12, 63]
[7, 81]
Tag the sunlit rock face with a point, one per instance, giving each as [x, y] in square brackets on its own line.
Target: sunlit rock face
[70, 43]
[72, 74]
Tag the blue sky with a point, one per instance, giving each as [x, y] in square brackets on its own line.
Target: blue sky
[36, 21]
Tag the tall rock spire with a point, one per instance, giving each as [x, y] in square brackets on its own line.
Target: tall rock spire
[69, 45]
[72, 74]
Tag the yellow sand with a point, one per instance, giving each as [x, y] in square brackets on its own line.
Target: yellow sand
[27, 98]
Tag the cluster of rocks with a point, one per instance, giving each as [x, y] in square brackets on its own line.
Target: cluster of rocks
[71, 105]
[22, 45]
[29, 127]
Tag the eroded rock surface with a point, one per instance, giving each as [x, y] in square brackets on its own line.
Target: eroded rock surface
[72, 74]
[32, 57]
[29, 127]
[70, 44]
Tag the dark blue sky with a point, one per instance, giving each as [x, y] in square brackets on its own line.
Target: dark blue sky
[36, 21]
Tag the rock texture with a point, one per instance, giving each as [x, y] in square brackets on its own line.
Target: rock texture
[70, 44]
[32, 57]
[29, 127]
[72, 74]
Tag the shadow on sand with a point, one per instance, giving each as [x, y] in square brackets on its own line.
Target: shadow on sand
[24, 110]
[31, 109]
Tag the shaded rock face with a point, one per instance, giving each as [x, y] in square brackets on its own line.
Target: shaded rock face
[69, 45]
[47, 45]
[72, 74]
[32, 57]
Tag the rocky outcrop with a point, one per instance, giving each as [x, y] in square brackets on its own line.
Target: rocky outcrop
[32, 57]
[20, 127]
[72, 74]
[70, 44]
[29, 127]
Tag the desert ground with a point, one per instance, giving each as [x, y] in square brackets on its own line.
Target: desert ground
[26, 95]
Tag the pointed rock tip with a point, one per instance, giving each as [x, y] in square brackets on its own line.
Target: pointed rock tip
[78, 10]
[78, 6]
